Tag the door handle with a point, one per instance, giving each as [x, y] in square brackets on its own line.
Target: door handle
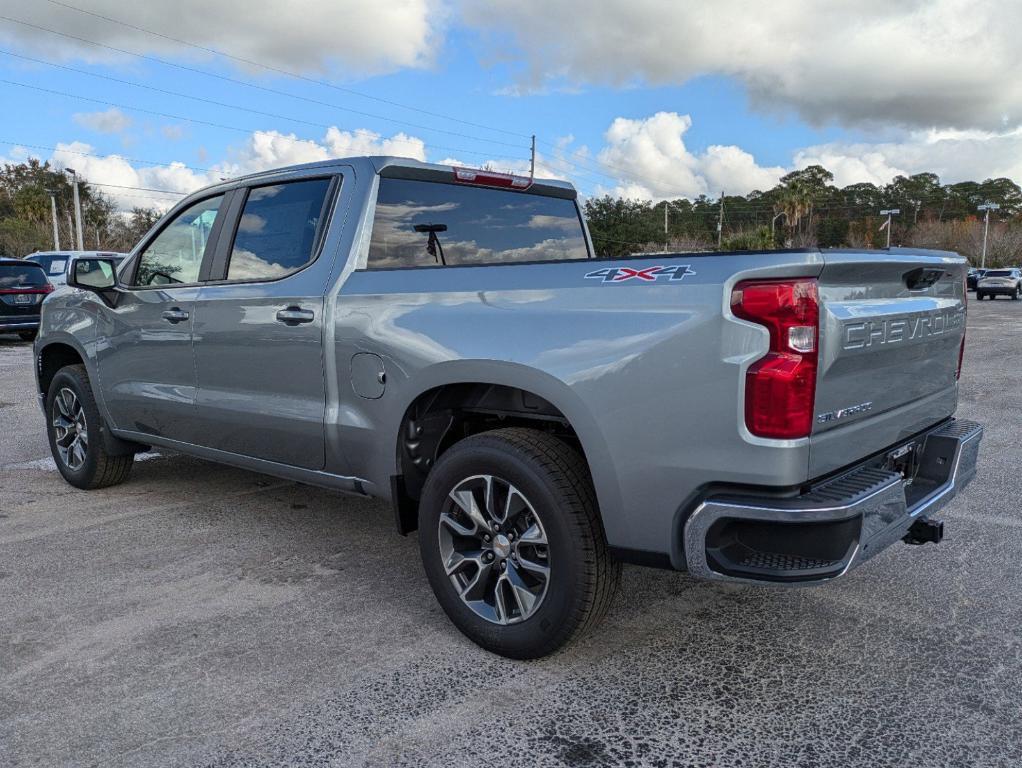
[175, 315]
[295, 316]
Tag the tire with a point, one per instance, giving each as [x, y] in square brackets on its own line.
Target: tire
[979, 296]
[27, 335]
[1014, 294]
[548, 483]
[87, 466]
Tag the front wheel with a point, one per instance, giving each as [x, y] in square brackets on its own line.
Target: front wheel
[512, 543]
[74, 426]
[27, 335]
[1014, 294]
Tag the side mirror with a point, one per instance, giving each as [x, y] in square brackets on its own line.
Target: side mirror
[97, 275]
[93, 274]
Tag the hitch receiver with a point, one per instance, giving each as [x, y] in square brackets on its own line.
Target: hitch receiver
[924, 531]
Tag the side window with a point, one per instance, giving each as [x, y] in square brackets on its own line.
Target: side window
[175, 256]
[277, 231]
[422, 223]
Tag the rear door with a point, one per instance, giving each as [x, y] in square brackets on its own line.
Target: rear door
[145, 341]
[259, 325]
[891, 330]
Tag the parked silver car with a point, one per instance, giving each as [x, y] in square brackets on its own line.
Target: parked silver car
[1000, 282]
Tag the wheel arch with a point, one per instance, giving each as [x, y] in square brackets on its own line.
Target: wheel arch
[454, 399]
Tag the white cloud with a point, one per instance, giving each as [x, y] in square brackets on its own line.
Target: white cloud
[652, 161]
[108, 121]
[128, 184]
[915, 62]
[361, 36]
[952, 155]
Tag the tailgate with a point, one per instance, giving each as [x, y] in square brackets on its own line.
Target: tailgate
[891, 325]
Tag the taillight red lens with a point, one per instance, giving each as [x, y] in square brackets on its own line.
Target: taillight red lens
[780, 388]
[491, 179]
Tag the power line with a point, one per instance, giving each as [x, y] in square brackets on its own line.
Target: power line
[281, 71]
[217, 125]
[134, 160]
[236, 81]
[203, 100]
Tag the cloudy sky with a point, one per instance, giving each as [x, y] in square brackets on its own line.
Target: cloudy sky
[638, 97]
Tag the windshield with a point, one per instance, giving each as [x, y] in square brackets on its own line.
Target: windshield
[53, 263]
[27, 276]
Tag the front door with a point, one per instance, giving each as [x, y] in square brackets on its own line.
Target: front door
[144, 343]
[258, 329]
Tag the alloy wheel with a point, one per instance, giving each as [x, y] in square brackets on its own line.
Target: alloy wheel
[494, 549]
[70, 429]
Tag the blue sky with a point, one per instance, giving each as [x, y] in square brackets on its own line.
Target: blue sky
[641, 100]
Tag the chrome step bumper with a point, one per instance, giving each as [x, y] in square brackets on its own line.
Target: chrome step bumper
[837, 525]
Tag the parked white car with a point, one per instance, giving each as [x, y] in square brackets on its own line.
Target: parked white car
[56, 263]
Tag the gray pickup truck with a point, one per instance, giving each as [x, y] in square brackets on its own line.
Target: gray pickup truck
[445, 339]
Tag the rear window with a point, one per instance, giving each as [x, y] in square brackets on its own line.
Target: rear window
[277, 232]
[998, 273]
[53, 263]
[423, 223]
[21, 277]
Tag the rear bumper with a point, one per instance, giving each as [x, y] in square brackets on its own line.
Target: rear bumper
[18, 323]
[997, 290]
[836, 525]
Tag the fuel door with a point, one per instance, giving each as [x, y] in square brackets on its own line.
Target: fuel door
[368, 377]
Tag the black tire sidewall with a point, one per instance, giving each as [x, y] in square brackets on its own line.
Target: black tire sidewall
[546, 629]
[72, 378]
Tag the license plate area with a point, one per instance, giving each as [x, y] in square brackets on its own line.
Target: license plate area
[905, 460]
[24, 298]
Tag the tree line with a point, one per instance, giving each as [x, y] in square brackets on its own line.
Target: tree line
[26, 219]
[806, 209]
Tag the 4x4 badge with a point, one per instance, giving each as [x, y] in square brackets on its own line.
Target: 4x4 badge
[644, 274]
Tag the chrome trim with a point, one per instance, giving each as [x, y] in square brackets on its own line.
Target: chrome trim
[886, 505]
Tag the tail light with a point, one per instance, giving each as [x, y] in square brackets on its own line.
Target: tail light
[48, 288]
[491, 179]
[780, 387]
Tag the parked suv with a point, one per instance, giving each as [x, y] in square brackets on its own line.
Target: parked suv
[1000, 282]
[23, 286]
[445, 339]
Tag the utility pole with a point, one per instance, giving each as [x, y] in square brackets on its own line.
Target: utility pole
[78, 209]
[986, 207]
[720, 221]
[887, 224]
[53, 210]
[773, 225]
[532, 159]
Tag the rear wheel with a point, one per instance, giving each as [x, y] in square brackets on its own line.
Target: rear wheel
[27, 335]
[75, 429]
[512, 543]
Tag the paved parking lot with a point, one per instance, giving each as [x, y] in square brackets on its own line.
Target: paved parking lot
[200, 615]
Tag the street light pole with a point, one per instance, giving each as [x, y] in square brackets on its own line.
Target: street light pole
[78, 209]
[53, 210]
[889, 214]
[987, 207]
[773, 225]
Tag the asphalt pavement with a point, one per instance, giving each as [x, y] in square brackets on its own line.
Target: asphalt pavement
[204, 616]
